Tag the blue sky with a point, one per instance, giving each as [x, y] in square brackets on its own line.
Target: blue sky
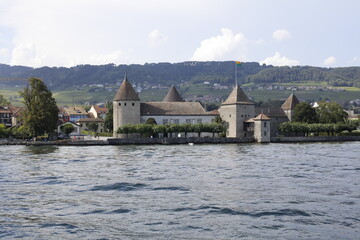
[279, 32]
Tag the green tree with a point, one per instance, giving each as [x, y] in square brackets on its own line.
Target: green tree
[3, 101]
[305, 113]
[68, 128]
[41, 113]
[331, 113]
[126, 129]
[109, 122]
[4, 132]
[93, 126]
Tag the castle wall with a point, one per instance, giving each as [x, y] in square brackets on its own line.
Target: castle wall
[235, 115]
[262, 131]
[166, 119]
[125, 112]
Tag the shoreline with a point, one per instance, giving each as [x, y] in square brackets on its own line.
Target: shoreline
[174, 141]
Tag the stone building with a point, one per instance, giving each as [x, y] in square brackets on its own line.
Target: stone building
[237, 111]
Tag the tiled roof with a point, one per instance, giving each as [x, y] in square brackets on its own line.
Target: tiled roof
[173, 95]
[100, 109]
[271, 112]
[75, 111]
[237, 96]
[261, 116]
[90, 120]
[290, 102]
[173, 108]
[126, 92]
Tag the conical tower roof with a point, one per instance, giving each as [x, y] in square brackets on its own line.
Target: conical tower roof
[126, 92]
[173, 95]
[237, 96]
[290, 102]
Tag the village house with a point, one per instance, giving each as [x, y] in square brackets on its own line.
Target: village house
[98, 112]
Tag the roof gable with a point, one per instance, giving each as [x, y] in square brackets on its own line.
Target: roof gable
[261, 116]
[290, 102]
[237, 96]
[126, 92]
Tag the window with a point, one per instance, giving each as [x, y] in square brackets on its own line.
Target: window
[165, 121]
[119, 104]
[264, 124]
[199, 120]
[176, 121]
[133, 104]
[124, 104]
[264, 133]
[188, 121]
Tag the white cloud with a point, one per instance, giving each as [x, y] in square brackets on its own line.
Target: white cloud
[278, 60]
[156, 38]
[355, 60]
[4, 52]
[281, 34]
[116, 57]
[24, 54]
[260, 41]
[329, 61]
[221, 47]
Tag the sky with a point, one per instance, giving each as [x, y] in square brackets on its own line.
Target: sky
[65, 33]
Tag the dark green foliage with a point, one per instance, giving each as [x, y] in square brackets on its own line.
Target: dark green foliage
[305, 113]
[3, 101]
[93, 126]
[41, 114]
[68, 128]
[144, 129]
[331, 112]
[192, 72]
[317, 128]
[108, 122]
[4, 132]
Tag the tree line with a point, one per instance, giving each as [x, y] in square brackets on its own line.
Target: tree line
[154, 130]
[168, 74]
[328, 117]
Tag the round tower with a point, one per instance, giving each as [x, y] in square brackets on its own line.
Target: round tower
[126, 106]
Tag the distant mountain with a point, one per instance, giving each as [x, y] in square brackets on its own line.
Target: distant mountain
[173, 74]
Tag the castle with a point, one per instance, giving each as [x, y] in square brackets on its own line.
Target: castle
[237, 111]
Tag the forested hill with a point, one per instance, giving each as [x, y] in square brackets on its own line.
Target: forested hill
[173, 74]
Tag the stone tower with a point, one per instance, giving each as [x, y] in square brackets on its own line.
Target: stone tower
[289, 106]
[126, 106]
[262, 128]
[235, 110]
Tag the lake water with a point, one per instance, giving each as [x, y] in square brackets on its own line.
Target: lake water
[235, 191]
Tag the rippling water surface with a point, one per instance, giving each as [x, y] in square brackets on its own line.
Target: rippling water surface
[244, 191]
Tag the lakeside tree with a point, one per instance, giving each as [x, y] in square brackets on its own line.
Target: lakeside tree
[93, 126]
[331, 112]
[108, 122]
[68, 128]
[3, 101]
[41, 113]
[305, 113]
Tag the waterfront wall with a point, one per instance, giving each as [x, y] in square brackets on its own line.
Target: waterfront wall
[195, 140]
[314, 139]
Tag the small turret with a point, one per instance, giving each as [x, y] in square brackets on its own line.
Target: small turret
[173, 95]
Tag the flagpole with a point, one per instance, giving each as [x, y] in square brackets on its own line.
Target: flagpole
[236, 74]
